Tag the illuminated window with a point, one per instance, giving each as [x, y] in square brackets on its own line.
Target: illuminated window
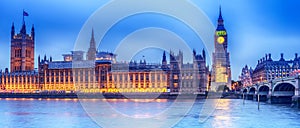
[175, 77]
[175, 85]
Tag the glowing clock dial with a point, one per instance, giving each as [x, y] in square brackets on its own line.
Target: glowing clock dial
[221, 40]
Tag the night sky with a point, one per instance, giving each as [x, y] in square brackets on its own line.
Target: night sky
[254, 27]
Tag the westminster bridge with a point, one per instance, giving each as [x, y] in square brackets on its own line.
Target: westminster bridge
[277, 91]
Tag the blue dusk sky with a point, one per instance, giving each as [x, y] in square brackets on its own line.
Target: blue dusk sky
[254, 27]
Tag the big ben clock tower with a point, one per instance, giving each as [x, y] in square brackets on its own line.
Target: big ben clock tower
[221, 71]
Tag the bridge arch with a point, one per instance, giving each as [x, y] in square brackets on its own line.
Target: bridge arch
[252, 90]
[284, 89]
[263, 89]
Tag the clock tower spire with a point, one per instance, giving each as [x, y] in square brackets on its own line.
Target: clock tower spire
[220, 19]
[221, 71]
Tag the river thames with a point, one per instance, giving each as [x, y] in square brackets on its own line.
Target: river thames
[67, 113]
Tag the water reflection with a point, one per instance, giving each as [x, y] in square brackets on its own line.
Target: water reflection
[135, 108]
[226, 119]
[69, 113]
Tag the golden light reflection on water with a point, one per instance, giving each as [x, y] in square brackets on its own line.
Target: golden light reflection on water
[94, 100]
[18, 99]
[135, 100]
[223, 119]
[39, 99]
[133, 107]
[223, 104]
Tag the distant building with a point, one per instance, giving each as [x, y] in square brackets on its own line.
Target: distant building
[295, 72]
[221, 70]
[20, 81]
[22, 76]
[133, 77]
[246, 76]
[104, 74]
[192, 77]
[91, 54]
[101, 72]
[268, 69]
[106, 57]
[22, 50]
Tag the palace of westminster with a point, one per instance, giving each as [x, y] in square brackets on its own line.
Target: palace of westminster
[95, 71]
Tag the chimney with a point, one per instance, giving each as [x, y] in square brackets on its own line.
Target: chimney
[281, 58]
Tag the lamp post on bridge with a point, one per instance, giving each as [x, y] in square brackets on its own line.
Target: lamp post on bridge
[258, 99]
[243, 98]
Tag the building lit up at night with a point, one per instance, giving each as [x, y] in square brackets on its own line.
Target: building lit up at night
[99, 72]
[268, 69]
[246, 76]
[221, 70]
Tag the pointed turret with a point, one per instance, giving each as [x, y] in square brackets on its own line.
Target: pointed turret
[32, 32]
[91, 54]
[220, 20]
[45, 57]
[194, 52]
[164, 60]
[39, 59]
[92, 38]
[23, 29]
[12, 30]
[220, 14]
[203, 54]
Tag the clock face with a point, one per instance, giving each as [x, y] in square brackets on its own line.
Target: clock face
[221, 40]
[221, 33]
